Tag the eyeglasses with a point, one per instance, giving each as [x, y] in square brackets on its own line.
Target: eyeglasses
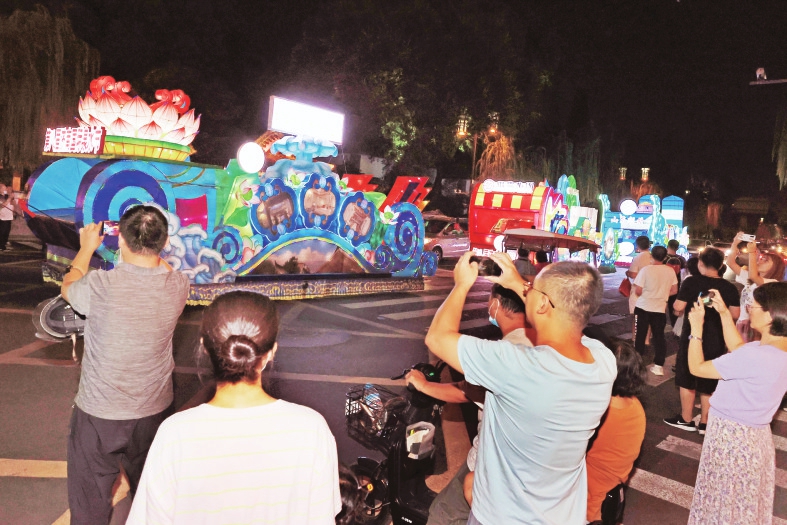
[531, 287]
[750, 306]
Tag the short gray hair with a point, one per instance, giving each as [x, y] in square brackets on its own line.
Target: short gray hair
[576, 288]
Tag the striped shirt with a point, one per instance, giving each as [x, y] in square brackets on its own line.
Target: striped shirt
[269, 464]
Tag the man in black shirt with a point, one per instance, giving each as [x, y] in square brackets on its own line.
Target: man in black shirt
[711, 265]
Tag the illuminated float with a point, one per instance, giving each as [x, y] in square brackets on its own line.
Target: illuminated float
[295, 230]
[504, 215]
[659, 220]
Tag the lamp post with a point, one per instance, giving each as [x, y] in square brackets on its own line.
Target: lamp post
[462, 132]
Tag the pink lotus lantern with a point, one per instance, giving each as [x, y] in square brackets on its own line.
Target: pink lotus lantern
[136, 112]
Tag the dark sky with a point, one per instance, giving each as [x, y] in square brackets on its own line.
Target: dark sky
[670, 77]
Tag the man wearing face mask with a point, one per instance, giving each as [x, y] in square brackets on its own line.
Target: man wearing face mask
[506, 311]
[125, 387]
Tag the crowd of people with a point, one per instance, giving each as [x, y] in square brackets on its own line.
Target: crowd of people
[560, 424]
[732, 351]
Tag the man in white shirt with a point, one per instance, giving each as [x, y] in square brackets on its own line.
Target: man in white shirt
[654, 285]
[642, 248]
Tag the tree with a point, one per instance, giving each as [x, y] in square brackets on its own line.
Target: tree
[404, 71]
[44, 69]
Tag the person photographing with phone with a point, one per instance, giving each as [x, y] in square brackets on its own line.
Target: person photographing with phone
[125, 387]
[763, 268]
[736, 477]
[710, 265]
[543, 402]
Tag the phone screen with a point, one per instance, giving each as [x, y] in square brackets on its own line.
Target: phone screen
[111, 228]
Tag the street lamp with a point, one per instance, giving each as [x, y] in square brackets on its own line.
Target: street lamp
[645, 174]
[462, 132]
[622, 172]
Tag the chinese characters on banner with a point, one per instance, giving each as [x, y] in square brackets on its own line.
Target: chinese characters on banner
[75, 140]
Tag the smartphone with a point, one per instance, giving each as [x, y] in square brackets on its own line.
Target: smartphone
[111, 228]
[486, 266]
[747, 237]
[706, 297]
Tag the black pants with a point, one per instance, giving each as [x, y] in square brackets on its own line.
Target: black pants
[656, 321]
[96, 449]
[5, 231]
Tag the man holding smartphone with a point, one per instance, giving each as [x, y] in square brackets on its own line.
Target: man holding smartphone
[543, 402]
[125, 388]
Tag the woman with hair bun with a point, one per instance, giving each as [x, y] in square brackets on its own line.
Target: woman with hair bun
[736, 477]
[244, 456]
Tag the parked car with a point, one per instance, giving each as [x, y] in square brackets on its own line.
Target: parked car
[696, 246]
[446, 236]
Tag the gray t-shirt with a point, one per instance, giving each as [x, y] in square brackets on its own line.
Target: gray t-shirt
[131, 315]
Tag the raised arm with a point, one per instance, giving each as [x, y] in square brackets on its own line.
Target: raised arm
[443, 335]
[732, 338]
[89, 241]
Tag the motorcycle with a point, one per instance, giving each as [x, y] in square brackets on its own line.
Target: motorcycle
[402, 428]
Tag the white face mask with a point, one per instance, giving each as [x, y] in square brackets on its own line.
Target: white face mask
[119, 256]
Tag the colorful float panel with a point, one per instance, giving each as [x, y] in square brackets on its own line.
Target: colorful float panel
[225, 224]
[497, 206]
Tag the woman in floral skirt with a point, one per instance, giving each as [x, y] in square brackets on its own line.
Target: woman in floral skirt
[735, 482]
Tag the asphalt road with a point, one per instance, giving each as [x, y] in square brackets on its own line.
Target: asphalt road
[326, 346]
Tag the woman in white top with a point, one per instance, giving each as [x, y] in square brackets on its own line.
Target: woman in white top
[763, 268]
[244, 456]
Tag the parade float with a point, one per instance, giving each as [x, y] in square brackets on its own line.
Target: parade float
[506, 215]
[659, 220]
[293, 230]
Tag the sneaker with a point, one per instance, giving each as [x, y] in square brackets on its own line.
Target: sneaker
[657, 370]
[678, 422]
[701, 429]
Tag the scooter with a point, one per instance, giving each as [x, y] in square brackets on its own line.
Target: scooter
[402, 428]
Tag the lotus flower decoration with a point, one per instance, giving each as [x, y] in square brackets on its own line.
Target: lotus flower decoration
[109, 105]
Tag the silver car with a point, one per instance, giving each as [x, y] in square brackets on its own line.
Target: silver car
[446, 237]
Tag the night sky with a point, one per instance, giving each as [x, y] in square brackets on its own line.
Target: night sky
[669, 78]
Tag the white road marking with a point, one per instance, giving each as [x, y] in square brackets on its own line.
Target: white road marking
[32, 468]
[473, 323]
[692, 450]
[307, 377]
[669, 490]
[427, 312]
[405, 300]
[604, 319]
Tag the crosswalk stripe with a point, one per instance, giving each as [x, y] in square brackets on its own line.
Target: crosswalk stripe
[31, 468]
[473, 323]
[669, 490]
[662, 488]
[692, 450]
[780, 443]
[604, 319]
[404, 300]
[426, 312]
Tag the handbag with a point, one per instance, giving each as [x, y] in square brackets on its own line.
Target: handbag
[625, 287]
